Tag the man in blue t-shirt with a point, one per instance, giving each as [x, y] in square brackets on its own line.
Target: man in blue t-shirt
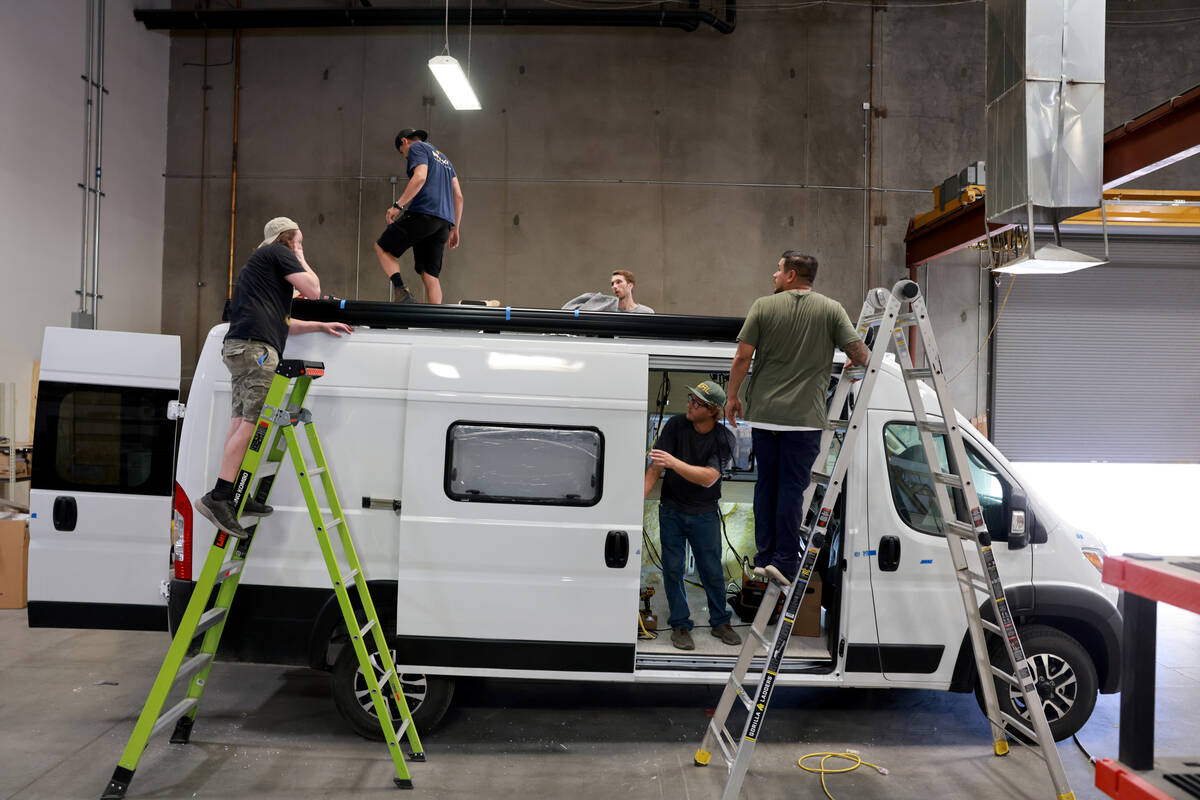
[425, 217]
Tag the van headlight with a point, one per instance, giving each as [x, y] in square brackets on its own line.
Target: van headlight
[1095, 556]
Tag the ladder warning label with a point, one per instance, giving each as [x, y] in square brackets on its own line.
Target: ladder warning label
[260, 433]
[823, 520]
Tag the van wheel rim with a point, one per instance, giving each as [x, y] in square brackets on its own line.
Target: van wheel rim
[414, 686]
[1057, 687]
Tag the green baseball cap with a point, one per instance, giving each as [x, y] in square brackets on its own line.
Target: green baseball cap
[709, 392]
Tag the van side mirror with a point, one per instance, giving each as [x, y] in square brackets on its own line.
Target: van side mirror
[1020, 520]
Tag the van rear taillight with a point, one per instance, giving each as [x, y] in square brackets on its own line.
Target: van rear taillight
[181, 534]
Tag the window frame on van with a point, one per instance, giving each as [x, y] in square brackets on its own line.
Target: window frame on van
[459, 497]
[1008, 484]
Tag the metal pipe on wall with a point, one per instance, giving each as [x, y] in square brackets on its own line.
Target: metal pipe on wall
[87, 160]
[237, 87]
[99, 157]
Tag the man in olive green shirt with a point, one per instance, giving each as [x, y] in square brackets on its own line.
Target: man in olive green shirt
[790, 336]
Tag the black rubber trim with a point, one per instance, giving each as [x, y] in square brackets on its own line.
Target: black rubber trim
[97, 616]
[529, 320]
[918, 659]
[435, 651]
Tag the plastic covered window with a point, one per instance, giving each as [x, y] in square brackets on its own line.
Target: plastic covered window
[491, 463]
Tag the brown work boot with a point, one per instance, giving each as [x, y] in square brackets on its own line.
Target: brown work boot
[727, 634]
[682, 638]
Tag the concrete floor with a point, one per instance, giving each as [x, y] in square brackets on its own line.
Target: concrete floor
[68, 700]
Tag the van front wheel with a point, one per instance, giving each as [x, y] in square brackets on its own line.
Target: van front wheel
[428, 696]
[1063, 673]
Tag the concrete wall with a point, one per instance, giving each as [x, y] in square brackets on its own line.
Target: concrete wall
[42, 55]
[692, 159]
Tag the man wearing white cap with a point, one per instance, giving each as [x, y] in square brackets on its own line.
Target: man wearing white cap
[259, 324]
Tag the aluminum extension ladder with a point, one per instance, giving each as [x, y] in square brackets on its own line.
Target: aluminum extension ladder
[882, 310]
[282, 412]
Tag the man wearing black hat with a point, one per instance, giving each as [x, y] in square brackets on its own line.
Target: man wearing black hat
[693, 450]
[425, 217]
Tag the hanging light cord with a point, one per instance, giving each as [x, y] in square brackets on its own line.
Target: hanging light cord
[470, 16]
[446, 42]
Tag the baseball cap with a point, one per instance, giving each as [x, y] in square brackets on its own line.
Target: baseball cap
[410, 134]
[275, 227]
[709, 392]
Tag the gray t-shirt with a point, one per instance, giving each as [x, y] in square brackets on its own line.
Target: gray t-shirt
[638, 308]
[793, 334]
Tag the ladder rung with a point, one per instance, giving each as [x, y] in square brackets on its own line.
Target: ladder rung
[820, 478]
[948, 478]
[349, 576]
[918, 373]
[330, 524]
[870, 319]
[853, 372]
[268, 468]
[193, 665]
[761, 636]
[403, 727]
[992, 628]
[961, 529]
[1020, 726]
[210, 618]
[313, 472]
[740, 691]
[363, 633]
[904, 320]
[932, 427]
[728, 744]
[1004, 676]
[178, 710]
[230, 568]
[837, 425]
[975, 581]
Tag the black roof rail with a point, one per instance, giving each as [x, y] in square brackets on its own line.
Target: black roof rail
[523, 320]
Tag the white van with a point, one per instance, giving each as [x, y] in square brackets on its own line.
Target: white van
[493, 482]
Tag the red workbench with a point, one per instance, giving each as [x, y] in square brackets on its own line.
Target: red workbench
[1146, 581]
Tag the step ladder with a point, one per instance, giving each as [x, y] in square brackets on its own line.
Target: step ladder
[274, 436]
[882, 314]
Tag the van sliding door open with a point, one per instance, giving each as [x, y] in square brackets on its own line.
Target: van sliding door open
[103, 480]
[520, 538]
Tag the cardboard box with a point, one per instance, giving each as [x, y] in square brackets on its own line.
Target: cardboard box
[14, 562]
[808, 621]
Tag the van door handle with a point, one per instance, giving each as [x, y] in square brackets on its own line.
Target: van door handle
[616, 549]
[889, 554]
[382, 504]
[66, 513]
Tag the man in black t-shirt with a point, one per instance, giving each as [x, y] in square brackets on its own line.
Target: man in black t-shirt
[259, 324]
[693, 449]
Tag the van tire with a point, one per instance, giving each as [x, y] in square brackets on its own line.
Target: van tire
[428, 696]
[1064, 673]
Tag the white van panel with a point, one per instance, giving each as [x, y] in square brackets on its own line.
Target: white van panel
[110, 358]
[105, 457]
[515, 571]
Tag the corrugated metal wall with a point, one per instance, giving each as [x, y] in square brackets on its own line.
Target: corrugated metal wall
[1103, 364]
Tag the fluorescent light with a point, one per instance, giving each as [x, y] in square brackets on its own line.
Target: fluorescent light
[1050, 260]
[450, 77]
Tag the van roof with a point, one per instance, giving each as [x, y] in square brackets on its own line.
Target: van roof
[526, 320]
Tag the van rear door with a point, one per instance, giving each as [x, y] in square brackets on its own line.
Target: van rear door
[103, 480]
[521, 518]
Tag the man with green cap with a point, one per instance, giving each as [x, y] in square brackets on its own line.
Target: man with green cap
[694, 449]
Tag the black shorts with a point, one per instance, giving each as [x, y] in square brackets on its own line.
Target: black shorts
[426, 236]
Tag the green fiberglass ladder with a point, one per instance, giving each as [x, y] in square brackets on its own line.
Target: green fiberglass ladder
[889, 312]
[282, 412]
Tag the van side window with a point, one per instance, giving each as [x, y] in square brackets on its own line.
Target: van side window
[912, 486]
[497, 463]
[114, 439]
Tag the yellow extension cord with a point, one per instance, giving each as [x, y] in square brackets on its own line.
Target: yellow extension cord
[822, 770]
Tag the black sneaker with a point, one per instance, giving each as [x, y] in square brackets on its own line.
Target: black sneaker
[222, 514]
[253, 508]
[403, 296]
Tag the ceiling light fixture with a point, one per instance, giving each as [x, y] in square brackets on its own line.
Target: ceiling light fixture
[449, 73]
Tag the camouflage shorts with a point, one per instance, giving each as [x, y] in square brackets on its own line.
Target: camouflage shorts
[251, 369]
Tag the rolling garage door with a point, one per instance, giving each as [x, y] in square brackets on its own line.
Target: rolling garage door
[1102, 364]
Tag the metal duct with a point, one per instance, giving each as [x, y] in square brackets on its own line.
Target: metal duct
[1045, 109]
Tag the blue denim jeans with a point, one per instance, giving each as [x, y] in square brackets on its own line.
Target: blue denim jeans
[703, 532]
[784, 460]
